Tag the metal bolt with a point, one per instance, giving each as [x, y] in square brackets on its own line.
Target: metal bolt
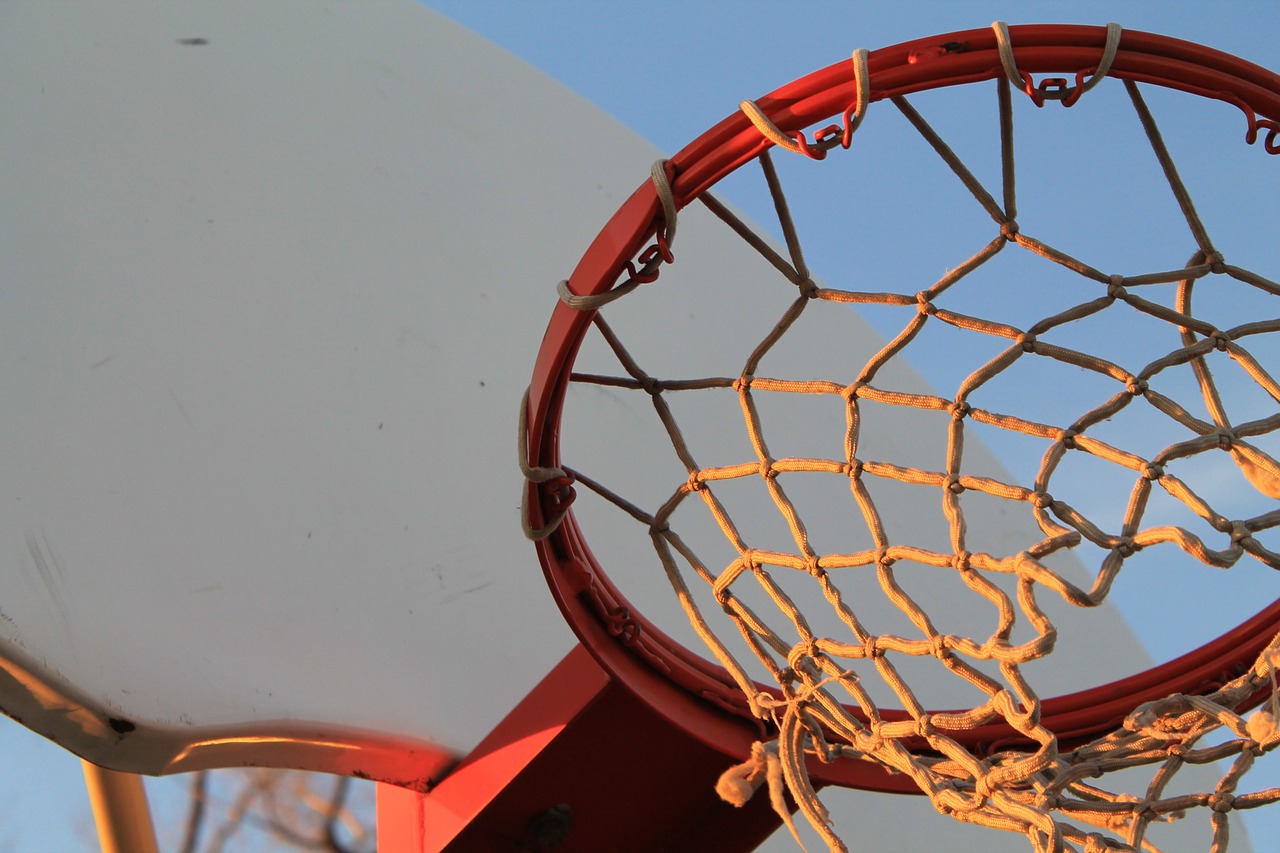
[550, 828]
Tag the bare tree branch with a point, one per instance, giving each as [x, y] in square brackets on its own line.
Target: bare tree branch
[278, 809]
[195, 811]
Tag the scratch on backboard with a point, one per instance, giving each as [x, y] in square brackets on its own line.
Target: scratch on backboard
[467, 591]
[50, 571]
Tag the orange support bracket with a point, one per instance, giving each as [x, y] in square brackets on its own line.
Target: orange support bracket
[579, 765]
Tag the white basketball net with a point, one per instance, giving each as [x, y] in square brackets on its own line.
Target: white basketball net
[1060, 799]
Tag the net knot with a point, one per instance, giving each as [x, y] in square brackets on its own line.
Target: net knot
[1216, 262]
[808, 288]
[850, 392]
[695, 483]
[1153, 471]
[1041, 500]
[767, 470]
[1068, 438]
[1116, 288]
[737, 784]
[1240, 532]
[871, 648]
[945, 808]
[870, 743]
[743, 383]
[651, 386]
[961, 410]
[1126, 547]
[1048, 802]
[813, 567]
[1009, 230]
[1225, 440]
[1222, 802]
[1261, 727]
[924, 727]
[938, 646]
[1096, 842]
[924, 305]
[1220, 340]
[1027, 341]
[1136, 387]
[805, 649]
[853, 469]
[961, 561]
[1093, 770]
[954, 485]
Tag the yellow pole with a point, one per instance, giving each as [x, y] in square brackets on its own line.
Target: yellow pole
[119, 810]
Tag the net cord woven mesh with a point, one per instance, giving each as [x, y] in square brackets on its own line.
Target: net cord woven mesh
[1059, 798]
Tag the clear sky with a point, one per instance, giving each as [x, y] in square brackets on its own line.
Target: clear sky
[668, 70]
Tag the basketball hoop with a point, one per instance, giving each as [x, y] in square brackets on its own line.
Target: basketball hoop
[1012, 760]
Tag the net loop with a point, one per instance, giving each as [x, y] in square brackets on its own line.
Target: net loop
[651, 259]
[554, 484]
[666, 197]
[828, 137]
[1055, 88]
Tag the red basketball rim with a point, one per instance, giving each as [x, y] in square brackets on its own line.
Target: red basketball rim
[697, 694]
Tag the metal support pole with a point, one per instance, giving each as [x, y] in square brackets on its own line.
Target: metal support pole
[119, 810]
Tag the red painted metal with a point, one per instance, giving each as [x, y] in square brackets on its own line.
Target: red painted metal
[683, 687]
[582, 763]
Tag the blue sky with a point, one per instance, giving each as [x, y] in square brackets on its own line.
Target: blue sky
[668, 71]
